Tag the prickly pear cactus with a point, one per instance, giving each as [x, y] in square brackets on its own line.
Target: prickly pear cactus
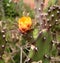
[53, 21]
[42, 47]
[53, 18]
[2, 43]
[40, 43]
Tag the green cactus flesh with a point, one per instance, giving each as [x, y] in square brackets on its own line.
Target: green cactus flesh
[2, 44]
[53, 18]
[43, 45]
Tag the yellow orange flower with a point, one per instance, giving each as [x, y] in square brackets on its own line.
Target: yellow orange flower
[24, 24]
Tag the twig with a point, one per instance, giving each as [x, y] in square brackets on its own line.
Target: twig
[21, 55]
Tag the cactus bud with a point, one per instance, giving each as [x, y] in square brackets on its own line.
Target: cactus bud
[39, 9]
[58, 12]
[27, 60]
[46, 56]
[52, 16]
[4, 36]
[42, 4]
[34, 48]
[50, 26]
[3, 46]
[48, 20]
[59, 8]
[2, 31]
[44, 38]
[49, 11]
